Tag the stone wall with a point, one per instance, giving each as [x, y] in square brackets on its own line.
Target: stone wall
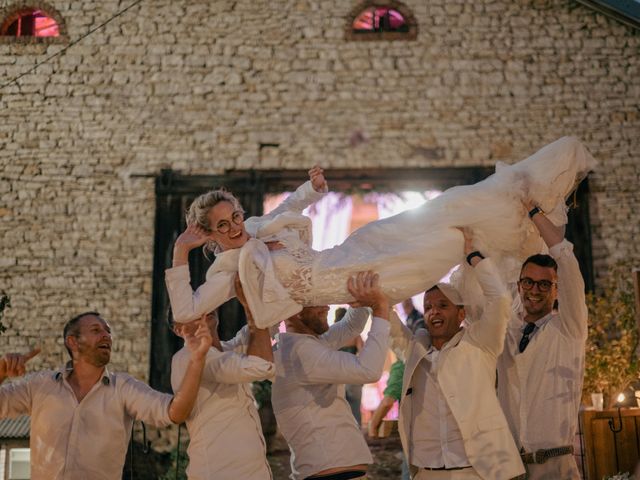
[198, 85]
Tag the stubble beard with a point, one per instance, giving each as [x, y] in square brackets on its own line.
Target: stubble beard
[94, 356]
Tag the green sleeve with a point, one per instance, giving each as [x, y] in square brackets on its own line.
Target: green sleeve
[394, 384]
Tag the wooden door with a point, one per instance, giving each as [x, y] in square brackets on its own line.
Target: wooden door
[611, 442]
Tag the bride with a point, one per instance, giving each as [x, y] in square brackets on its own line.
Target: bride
[411, 251]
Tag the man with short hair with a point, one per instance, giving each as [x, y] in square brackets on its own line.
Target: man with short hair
[451, 424]
[225, 434]
[308, 392]
[81, 415]
[541, 369]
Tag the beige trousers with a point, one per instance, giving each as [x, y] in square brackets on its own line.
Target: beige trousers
[465, 474]
[557, 468]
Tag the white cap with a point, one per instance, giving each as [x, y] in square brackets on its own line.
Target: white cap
[451, 293]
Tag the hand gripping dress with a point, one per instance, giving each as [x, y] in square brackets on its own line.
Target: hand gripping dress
[410, 251]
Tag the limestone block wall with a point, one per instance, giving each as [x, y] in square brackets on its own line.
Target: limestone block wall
[199, 85]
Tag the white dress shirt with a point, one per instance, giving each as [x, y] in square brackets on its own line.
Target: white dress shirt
[439, 442]
[85, 440]
[540, 389]
[226, 441]
[308, 393]
[466, 374]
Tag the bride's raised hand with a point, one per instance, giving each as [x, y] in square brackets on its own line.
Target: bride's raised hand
[316, 175]
[193, 237]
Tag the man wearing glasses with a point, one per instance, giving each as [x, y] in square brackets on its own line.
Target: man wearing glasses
[540, 371]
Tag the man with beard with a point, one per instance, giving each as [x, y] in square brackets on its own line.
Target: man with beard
[81, 416]
[540, 371]
[308, 392]
[451, 424]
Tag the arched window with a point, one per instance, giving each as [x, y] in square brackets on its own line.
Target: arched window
[381, 21]
[30, 23]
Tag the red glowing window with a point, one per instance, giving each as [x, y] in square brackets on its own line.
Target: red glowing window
[30, 23]
[380, 19]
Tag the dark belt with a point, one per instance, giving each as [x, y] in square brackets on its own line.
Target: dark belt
[544, 454]
[446, 468]
[344, 475]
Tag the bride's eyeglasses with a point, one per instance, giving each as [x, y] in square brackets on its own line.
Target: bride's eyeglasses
[543, 285]
[224, 226]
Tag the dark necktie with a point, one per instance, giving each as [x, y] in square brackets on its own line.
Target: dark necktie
[524, 341]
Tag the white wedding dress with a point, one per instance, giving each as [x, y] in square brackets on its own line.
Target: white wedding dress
[411, 251]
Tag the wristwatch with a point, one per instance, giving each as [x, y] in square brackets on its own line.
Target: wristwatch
[474, 254]
[534, 210]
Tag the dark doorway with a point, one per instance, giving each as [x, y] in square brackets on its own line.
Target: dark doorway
[175, 192]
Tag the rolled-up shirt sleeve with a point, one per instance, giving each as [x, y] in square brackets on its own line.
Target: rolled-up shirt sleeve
[228, 367]
[321, 364]
[187, 305]
[232, 367]
[15, 397]
[143, 402]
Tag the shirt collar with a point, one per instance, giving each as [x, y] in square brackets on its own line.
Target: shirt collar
[65, 371]
[541, 322]
[453, 341]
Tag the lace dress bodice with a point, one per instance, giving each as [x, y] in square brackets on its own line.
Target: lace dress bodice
[293, 265]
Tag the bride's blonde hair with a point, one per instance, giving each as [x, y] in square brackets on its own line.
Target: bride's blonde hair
[199, 211]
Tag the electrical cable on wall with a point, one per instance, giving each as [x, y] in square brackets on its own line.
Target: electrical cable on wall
[63, 50]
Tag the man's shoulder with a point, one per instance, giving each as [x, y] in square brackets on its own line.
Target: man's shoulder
[296, 343]
[126, 386]
[181, 358]
[180, 355]
[40, 377]
[553, 327]
[419, 343]
[116, 378]
[122, 379]
[48, 374]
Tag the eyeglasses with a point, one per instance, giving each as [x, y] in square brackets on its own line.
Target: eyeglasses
[543, 285]
[224, 226]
